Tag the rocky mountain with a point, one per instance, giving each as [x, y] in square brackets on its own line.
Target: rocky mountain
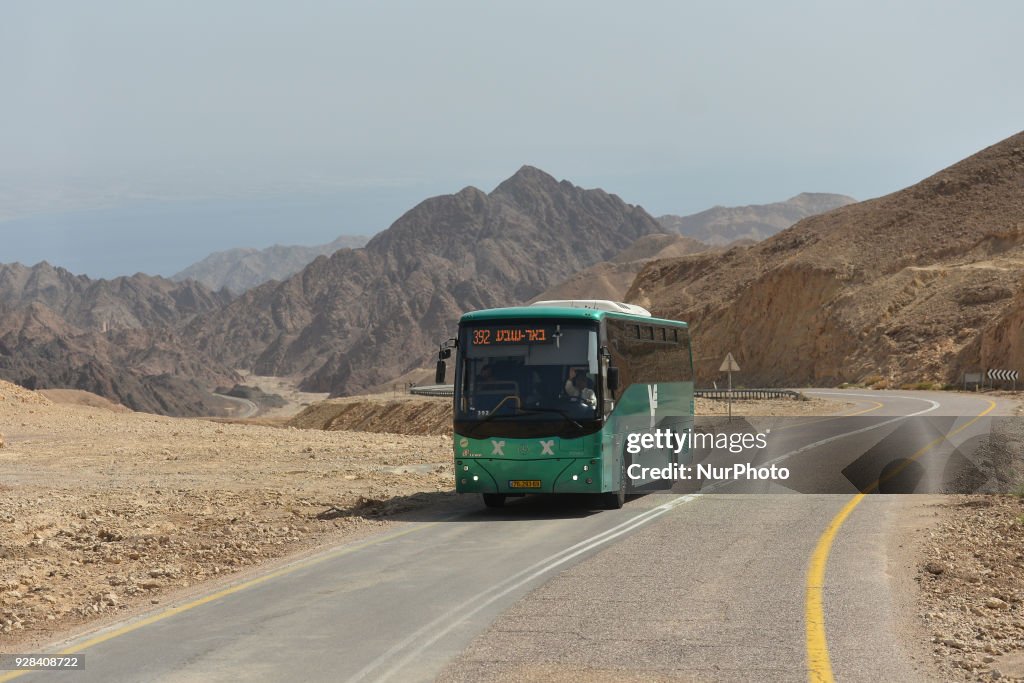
[123, 302]
[720, 225]
[363, 316]
[239, 270]
[919, 285]
[116, 338]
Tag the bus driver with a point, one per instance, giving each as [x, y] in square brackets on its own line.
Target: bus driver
[581, 390]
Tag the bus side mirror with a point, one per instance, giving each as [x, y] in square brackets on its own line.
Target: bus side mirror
[439, 372]
[613, 378]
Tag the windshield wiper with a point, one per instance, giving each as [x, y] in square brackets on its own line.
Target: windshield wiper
[539, 409]
[490, 416]
[565, 415]
[497, 410]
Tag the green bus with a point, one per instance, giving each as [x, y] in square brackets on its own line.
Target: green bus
[547, 395]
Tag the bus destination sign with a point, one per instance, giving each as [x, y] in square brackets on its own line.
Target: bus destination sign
[494, 336]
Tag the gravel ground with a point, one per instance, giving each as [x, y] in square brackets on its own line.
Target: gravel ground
[104, 512]
[971, 578]
[971, 568]
[776, 407]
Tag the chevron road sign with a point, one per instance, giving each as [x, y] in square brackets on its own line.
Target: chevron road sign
[1003, 375]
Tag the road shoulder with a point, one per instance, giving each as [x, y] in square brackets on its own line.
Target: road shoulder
[912, 521]
[970, 587]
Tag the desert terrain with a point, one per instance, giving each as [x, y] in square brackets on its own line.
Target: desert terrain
[103, 512]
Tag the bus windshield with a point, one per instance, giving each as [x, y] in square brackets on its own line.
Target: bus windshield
[529, 372]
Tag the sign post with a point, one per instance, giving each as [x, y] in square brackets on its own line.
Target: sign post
[975, 378]
[730, 366]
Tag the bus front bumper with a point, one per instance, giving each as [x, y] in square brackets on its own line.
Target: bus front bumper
[555, 475]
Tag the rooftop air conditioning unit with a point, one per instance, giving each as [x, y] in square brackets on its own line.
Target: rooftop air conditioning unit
[597, 305]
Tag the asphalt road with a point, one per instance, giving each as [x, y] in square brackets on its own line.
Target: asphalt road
[249, 408]
[702, 586]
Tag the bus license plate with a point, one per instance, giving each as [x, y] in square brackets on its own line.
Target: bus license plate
[524, 483]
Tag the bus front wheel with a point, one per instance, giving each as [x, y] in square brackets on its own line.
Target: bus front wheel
[494, 500]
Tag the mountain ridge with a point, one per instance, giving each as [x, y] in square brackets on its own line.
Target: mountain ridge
[241, 269]
[114, 337]
[721, 225]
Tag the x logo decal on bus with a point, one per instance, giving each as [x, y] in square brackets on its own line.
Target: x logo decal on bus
[499, 448]
[547, 446]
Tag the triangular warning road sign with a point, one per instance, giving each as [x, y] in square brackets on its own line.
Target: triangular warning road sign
[729, 364]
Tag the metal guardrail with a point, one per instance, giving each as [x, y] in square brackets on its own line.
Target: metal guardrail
[433, 390]
[724, 394]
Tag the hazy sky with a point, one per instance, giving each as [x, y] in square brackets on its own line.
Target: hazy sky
[142, 135]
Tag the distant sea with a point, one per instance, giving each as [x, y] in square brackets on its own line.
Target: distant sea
[164, 237]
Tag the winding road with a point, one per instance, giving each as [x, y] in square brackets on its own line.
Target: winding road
[249, 408]
[691, 585]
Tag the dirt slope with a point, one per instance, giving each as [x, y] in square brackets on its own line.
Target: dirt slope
[406, 415]
[612, 279]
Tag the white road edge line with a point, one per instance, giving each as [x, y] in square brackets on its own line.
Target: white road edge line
[774, 461]
[539, 568]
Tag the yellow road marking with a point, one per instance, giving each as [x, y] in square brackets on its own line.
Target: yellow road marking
[861, 412]
[819, 665]
[813, 421]
[170, 612]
